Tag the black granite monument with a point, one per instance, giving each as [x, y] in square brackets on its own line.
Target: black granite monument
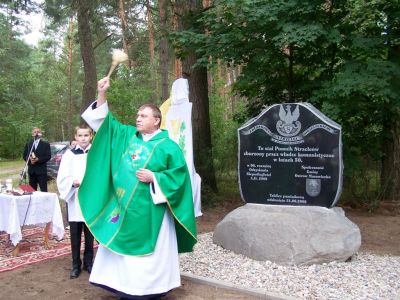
[290, 154]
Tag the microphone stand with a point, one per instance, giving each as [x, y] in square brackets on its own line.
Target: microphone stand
[23, 173]
[23, 176]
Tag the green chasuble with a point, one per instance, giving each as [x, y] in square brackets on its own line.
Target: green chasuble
[117, 207]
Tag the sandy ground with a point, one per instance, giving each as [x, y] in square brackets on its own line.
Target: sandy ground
[50, 280]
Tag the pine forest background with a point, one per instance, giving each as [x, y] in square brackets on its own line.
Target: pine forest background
[238, 55]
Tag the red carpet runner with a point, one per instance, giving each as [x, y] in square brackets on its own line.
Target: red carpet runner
[32, 249]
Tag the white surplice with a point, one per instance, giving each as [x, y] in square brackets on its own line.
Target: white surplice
[72, 168]
[138, 275]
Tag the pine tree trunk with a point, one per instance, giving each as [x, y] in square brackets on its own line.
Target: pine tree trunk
[291, 74]
[178, 68]
[150, 29]
[69, 75]
[390, 175]
[177, 62]
[198, 95]
[163, 49]
[124, 26]
[87, 53]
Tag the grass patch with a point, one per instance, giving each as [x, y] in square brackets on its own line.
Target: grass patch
[11, 169]
[9, 164]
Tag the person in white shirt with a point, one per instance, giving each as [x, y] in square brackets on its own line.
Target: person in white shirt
[69, 178]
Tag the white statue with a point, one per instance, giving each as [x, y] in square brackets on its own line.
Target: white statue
[177, 119]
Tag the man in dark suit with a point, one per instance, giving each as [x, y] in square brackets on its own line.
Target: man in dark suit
[40, 155]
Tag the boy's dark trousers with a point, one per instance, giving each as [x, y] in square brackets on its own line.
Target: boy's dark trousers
[76, 229]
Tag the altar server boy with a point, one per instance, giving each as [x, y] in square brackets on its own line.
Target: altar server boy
[70, 175]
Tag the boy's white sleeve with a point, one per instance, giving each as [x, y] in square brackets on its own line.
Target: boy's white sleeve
[156, 193]
[94, 117]
[65, 177]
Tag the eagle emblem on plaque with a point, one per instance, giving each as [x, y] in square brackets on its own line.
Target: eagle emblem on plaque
[288, 125]
[313, 187]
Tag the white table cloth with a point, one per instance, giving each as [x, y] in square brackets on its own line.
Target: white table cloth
[16, 211]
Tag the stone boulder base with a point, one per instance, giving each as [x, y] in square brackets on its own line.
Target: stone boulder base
[289, 235]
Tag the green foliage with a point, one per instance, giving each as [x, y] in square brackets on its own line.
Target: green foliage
[224, 131]
[130, 90]
[35, 89]
[14, 88]
[342, 56]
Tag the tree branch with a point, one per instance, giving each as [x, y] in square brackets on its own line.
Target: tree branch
[102, 41]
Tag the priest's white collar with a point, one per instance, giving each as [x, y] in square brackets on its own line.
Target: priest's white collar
[148, 136]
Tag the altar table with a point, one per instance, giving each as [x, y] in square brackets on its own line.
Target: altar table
[39, 208]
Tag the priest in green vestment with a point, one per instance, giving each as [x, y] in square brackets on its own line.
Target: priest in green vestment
[136, 189]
